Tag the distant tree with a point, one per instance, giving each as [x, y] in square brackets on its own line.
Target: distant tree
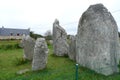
[48, 35]
[119, 34]
[48, 32]
[68, 36]
[35, 36]
[31, 33]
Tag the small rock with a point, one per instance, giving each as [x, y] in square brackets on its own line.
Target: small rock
[23, 71]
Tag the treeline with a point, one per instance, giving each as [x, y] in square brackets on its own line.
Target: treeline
[35, 36]
[119, 34]
[47, 36]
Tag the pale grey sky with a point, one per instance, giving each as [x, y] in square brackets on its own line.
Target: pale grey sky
[39, 15]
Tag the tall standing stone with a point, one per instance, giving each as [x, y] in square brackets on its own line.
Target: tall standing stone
[60, 45]
[40, 55]
[72, 47]
[28, 47]
[97, 40]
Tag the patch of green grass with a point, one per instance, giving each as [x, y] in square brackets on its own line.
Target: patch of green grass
[58, 68]
[7, 68]
[6, 42]
[20, 61]
[9, 44]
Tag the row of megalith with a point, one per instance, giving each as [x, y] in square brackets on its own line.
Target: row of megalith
[36, 51]
[95, 46]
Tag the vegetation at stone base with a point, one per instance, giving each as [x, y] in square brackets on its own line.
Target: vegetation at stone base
[48, 35]
[58, 68]
[20, 61]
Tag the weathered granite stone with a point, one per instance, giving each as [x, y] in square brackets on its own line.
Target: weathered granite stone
[72, 47]
[40, 55]
[28, 47]
[60, 44]
[97, 40]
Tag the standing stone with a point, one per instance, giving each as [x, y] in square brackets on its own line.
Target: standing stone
[97, 40]
[28, 47]
[40, 55]
[60, 45]
[72, 47]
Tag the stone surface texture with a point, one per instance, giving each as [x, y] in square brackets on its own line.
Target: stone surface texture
[60, 44]
[72, 47]
[28, 47]
[40, 55]
[97, 42]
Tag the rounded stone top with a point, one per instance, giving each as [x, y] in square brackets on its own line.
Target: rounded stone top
[97, 12]
[56, 21]
[98, 8]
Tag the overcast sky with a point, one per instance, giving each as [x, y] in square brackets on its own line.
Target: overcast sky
[39, 15]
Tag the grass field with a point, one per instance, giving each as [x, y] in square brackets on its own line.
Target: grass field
[6, 42]
[9, 44]
[58, 68]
